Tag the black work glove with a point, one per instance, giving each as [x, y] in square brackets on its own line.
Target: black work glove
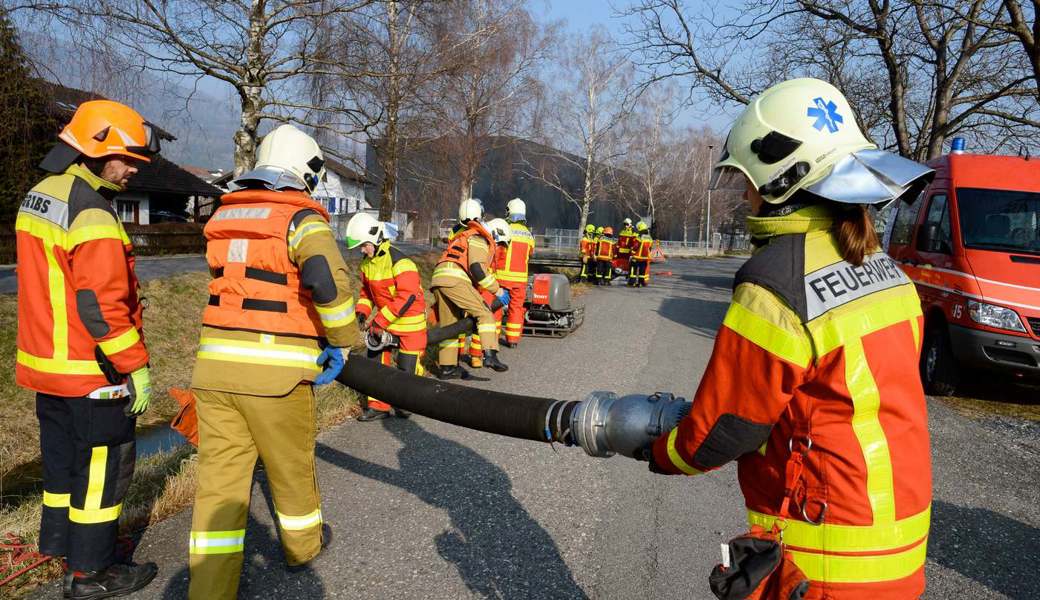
[647, 455]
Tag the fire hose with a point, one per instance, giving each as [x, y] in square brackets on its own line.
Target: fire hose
[603, 424]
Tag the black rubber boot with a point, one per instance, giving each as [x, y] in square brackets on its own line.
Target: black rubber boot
[507, 344]
[491, 360]
[400, 413]
[371, 414]
[66, 585]
[449, 372]
[116, 580]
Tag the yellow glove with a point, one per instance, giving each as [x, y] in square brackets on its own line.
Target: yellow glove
[140, 391]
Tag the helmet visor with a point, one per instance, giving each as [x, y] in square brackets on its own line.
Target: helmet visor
[151, 145]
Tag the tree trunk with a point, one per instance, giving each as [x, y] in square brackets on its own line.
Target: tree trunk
[388, 198]
[251, 92]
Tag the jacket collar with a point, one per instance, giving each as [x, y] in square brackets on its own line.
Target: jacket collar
[383, 248]
[105, 188]
[817, 217]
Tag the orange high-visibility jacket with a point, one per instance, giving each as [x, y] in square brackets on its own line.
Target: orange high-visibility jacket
[390, 283]
[626, 240]
[605, 249]
[641, 247]
[518, 253]
[820, 357]
[587, 246]
[256, 286]
[457, 255]
[77, 291]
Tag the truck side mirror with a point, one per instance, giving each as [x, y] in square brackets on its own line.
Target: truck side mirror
[929, 239]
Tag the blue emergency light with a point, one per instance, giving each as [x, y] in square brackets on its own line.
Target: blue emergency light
[957, 145]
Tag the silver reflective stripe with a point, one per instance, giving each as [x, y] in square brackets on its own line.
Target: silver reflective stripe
[303, 356]
[242, 212]
[237, 250]
[841, 283]
[46, 207]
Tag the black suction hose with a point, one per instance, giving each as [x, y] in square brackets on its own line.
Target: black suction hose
[436, 335]
[524, 417]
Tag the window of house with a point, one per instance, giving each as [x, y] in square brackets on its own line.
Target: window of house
[127, 210]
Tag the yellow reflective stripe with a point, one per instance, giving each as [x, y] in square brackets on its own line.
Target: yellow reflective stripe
[89, 233]
[849, 538]
[280, 355]
[307, 230]
[866, 402]
[217, 542]
[917, 334]
[487, 281]
[95, 515]
[853, 321]
[56, 500]
[861, 569]
[364, 302]
[48, 233]
[767, 335]
[96, 477]
[388, 314]
[485, 327]
[121, 342]
[673, 455]
[337, 316]
[513, 326]
[298, 523]
[512, 277]
[405, 265]
[59, 309]
[56, 365]
[450, 269]
[450, 344]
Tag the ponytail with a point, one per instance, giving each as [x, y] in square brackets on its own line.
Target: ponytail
[856, 234]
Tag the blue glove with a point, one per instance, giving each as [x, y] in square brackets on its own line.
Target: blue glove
[332, 360]
[503, 296]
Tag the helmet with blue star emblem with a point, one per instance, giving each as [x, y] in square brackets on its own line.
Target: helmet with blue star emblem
[802, 135]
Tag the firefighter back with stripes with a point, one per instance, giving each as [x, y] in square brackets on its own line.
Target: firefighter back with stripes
[280, 318]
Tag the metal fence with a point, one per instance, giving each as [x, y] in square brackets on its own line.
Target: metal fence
[569, 238]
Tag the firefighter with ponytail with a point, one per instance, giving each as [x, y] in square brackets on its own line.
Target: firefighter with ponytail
[813, 386]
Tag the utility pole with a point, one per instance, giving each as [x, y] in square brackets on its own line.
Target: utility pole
[707, 228]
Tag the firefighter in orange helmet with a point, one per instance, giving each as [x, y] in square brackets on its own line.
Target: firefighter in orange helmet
[80, 341]
[280, 319]
[813, 385]
[391, 300]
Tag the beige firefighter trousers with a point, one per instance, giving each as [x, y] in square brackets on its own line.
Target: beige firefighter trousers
[234, 430]
[454, 302]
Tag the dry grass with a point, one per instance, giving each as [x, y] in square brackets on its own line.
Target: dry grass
[163, 484]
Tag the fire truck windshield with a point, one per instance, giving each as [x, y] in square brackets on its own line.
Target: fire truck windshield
[1000, 220]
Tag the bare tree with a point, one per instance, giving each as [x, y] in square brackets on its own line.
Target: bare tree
[494, 47]
[263, 49]
[948, 70]
[650, 155]
[581, 133]
[696, 150]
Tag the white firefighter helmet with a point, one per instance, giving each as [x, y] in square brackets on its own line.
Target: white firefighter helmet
[286, 159]
[500, 230]
[627, 221]
[517, 210]
[362, 228]
[802, 134]
[470, 209]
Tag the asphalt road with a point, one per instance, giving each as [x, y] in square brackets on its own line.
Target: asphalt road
[427, 510]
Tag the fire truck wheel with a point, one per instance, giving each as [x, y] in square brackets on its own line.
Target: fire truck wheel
[938, 365]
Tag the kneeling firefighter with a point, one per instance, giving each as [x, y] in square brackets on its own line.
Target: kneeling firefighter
[280, 307]
[80, 342]
[813, 384]
[391, 301]
[463, 268]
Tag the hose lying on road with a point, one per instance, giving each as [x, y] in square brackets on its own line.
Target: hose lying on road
[603, 424]
[524, 417]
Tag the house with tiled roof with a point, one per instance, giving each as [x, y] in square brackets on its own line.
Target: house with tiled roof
[162, 191]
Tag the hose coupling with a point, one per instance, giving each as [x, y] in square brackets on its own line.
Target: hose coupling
[604, 424]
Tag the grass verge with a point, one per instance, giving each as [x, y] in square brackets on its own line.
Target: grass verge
[163, 484]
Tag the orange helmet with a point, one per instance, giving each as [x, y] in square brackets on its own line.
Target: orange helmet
[608, 231]
[103, 128]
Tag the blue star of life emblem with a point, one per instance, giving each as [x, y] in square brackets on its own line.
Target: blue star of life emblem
[826, 114]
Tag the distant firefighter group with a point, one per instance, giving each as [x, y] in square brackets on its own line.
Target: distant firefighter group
[603, 256]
